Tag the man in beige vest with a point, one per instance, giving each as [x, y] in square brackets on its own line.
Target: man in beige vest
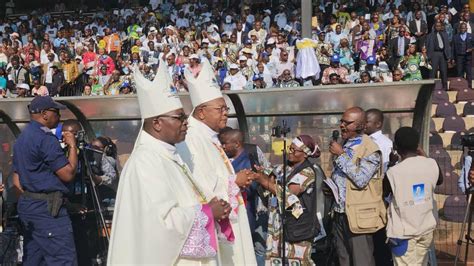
[359, 209]
[412, 210]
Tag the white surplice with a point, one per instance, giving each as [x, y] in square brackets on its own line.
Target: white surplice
[212, 174]
[155, 208]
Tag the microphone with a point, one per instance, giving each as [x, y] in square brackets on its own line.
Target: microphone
[335, 135]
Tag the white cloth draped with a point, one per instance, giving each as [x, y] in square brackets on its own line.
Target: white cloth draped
[307, 62]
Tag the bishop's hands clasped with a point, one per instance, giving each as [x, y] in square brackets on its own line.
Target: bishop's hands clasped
[220, 208]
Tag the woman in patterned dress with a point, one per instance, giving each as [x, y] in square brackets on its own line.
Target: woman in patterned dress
[300, 180]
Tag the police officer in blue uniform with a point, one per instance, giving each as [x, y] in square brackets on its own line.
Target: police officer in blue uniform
[43, 170]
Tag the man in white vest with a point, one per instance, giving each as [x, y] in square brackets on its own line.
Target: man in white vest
[213, 171]
[412, 213]
[161, 216]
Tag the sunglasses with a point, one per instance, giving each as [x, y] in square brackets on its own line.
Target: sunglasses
[53, 110]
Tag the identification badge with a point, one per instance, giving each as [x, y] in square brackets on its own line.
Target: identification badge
[292, 199]
[297, 211]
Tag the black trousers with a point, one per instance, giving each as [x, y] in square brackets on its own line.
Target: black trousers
[352, 249]
[382, 252]
[439, 62]
[464, 66]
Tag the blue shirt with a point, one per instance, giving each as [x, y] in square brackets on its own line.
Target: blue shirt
[359, 174]
[37, 155]
[240, 163]
[58, 41]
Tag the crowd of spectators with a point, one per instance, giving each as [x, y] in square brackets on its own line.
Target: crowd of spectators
[250, 47]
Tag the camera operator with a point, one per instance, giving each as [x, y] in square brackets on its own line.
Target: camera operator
[80, 197]
[108, 162]
[75, 188]
[78, 201]
[301, 224]
[43, 170]
[411, 182]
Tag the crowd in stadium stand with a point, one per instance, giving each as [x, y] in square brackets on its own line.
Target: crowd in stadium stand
[250, 47]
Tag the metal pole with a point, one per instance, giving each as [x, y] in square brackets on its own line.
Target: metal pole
[463, 229]
[283, 199]
[306, 15]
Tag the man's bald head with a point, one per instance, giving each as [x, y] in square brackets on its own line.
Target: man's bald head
[352, 122]
[357, 113]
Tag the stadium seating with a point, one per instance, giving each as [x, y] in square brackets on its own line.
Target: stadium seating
[440, 96]
[435, 140]
[453, 124]
[452, 118]
[457, 84]
[454, 207]
[450, 185]
[468, 109]
[465, 95]
[445, 109]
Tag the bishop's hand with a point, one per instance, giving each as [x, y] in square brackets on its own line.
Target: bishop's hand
[220, 208]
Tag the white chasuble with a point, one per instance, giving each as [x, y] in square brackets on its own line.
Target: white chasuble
[159, 215]
[214, 173]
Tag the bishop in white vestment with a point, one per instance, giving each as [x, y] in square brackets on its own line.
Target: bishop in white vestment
[211, 168]
[161, 216]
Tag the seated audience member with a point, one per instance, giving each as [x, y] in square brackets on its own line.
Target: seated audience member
[235, 78]
[335, 68]
[226, 86]
[365, 77]
[286, 80]
[397, 75]
[88, 91]
[258, 82]
[334, 79]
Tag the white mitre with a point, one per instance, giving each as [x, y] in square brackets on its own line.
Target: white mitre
[204, 88]
[156, 98]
